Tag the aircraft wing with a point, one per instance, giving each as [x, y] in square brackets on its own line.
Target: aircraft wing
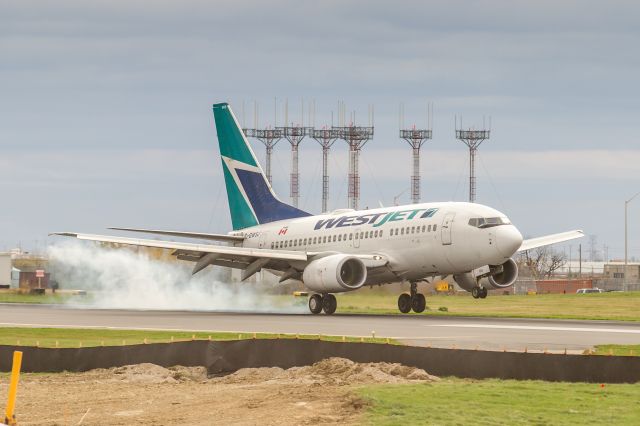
[550, 239]
[250, 260]
[199, 235]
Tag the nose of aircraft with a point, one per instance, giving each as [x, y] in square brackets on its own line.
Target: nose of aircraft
[508, 240]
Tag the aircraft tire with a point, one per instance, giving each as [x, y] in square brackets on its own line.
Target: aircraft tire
[329, 304]
[418, 303]
[475, 292]
[315, 304]
[404, 303]
[483, 293]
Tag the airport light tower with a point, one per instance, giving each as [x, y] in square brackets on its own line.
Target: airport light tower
[416, 138]
[269, 137]
[294, 134]
[325, 137]
[356, 137]
[472, 138]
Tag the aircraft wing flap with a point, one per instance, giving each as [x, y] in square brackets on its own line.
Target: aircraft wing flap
[226, 251]
[550, 239]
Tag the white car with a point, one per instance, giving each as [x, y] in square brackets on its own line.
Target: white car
[588, 290]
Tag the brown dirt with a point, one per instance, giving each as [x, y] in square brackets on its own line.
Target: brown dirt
[147, 394]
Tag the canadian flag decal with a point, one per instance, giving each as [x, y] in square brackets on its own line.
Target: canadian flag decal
[283, 230]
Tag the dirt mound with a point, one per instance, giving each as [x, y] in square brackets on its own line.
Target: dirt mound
[331, 371]
[152, 373]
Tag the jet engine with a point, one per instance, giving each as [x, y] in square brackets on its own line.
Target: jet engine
[492, 277]
[335, 274]
[504, 275]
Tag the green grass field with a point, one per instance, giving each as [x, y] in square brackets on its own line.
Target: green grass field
[602, 306]
[86, 337]
[622, 350]
[502, 402]
[13, 297]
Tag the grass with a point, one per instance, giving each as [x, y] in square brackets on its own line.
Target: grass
[502, 402]
[603, 306]
[86, 337]
[622, 350]
[14, 297]
[598, 306]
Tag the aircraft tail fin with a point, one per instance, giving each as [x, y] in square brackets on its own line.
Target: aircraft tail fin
[251, 198]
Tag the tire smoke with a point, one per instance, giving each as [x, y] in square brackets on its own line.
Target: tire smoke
[123, 278]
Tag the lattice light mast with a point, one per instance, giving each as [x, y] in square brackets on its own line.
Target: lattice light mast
[416, 138]
[356, 137]
[472, 138]
[269, 137]
[325, 137]
[294, 134]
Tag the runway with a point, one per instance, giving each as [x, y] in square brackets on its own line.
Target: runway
[446, 332]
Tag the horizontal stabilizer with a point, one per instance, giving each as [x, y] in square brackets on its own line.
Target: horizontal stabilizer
[550, 239]
[198, 235]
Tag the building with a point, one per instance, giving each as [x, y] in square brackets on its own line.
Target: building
[5, 270]
[616, 270]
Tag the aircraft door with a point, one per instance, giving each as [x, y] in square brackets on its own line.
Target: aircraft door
[445, 228]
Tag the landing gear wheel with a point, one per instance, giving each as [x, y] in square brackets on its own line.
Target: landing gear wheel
[483, 293]
[404, 303]
[315, 304]
[329, 304]
[418, 303]
[475, 292]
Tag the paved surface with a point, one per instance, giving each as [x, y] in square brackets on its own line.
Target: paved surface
[468, 333]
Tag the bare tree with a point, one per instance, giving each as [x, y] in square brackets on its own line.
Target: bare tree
[542, 261]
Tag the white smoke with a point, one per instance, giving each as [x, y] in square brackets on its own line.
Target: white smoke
[126, 279]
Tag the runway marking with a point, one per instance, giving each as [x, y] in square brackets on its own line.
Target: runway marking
[537, 328]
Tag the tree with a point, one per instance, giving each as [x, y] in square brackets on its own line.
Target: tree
[542, 261]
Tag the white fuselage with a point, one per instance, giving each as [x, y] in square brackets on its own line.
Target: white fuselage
[418, 240]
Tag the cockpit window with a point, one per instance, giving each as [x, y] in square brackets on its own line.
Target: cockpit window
[487, 222]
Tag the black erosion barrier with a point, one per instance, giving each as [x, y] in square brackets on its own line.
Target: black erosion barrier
[228, 356]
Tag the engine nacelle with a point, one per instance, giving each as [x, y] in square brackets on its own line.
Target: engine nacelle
[335, 274]
[504, 277]
[501, 276]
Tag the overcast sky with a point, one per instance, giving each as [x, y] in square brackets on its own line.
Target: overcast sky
[105, 107]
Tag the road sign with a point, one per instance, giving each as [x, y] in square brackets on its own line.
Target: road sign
[39, 273]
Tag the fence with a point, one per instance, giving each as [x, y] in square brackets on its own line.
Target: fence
[226, 357]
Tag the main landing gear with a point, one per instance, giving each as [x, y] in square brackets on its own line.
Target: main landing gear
[414, 301]
[479, 292]
[323, 302]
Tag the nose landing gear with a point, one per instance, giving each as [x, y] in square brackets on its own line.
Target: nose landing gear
[479, 292]
[326, 303]
[414, 301]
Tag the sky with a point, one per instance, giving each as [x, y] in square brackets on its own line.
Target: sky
[105, 108]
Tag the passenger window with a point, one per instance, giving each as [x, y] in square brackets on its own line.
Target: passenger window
[334, 238]
[295, 243]
[285, 244]
[350, 237]
[361, 235]
[370, 234]
[402, 231]
[434, 228]
[340, 237]
[413, 229]
[429, 228]
[305, 242]
[424, 228]
[381, 232]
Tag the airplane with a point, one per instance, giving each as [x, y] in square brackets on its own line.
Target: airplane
[345, 250]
